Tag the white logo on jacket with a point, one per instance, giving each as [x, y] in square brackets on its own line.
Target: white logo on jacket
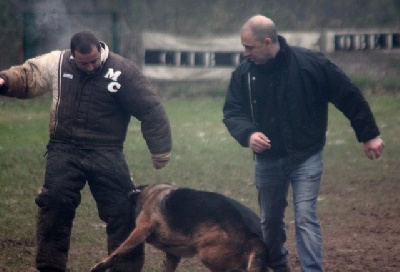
[113, 86]
[70, 76]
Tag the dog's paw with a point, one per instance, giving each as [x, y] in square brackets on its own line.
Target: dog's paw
[100, 267]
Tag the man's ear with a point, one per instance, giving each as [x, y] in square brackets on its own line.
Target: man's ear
[268, 41]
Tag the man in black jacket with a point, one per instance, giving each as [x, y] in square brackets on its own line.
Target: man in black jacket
[277, 105]
[95, 93]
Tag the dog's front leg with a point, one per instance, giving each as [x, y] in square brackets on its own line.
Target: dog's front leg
[171, 262]
[138, 235]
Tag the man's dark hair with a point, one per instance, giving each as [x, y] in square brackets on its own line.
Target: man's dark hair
[83, 42]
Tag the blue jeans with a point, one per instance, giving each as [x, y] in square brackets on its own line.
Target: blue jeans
[272, 179]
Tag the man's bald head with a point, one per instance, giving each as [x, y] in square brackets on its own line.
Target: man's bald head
[261, 27]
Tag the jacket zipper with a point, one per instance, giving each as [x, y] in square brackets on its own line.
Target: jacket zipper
[59, 92]
[250, 98]
[251, 105]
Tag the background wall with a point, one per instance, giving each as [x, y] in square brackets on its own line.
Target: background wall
[121, 23]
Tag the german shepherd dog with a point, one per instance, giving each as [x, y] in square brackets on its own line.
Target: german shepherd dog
[182, 222]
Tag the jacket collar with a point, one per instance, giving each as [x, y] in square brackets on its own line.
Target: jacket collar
[282, 43]
[104, 52]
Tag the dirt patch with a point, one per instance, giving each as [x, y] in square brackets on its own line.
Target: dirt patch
[18, 252]
[362, 232]
[360, 223]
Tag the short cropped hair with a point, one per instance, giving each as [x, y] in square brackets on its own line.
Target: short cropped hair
[83, 42]
[261, 32]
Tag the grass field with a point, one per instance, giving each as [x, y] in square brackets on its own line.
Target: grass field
[359, 202]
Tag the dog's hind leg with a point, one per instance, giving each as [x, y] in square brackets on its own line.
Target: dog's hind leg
[171, 262]
[143, 229]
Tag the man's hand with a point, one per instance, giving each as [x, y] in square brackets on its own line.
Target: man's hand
[374, 148]
[2, 82]
[160, 160]
[258, 142]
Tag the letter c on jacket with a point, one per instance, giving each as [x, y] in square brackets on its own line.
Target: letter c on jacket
[113, 87]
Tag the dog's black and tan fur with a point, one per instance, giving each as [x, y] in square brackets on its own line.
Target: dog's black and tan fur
[183, 222]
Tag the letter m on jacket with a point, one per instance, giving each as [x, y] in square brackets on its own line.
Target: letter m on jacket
[113, 75]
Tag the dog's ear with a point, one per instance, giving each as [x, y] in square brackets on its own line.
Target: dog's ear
[134, 194]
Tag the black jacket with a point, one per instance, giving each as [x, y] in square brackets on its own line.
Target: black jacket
[306, 82]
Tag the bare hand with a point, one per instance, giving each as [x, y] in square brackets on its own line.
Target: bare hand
[157, 164]
[258, 142]
[2, 82]
[374, 148]
[160, 160]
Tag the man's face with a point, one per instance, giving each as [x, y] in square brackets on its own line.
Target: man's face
[258, 52]
[88, 63]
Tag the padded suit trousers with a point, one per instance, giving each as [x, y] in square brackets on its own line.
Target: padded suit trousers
[67, 171]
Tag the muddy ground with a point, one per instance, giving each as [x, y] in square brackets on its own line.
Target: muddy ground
[360, 224]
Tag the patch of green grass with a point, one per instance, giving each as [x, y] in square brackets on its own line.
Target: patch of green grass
[205, 157]
[389, 85]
